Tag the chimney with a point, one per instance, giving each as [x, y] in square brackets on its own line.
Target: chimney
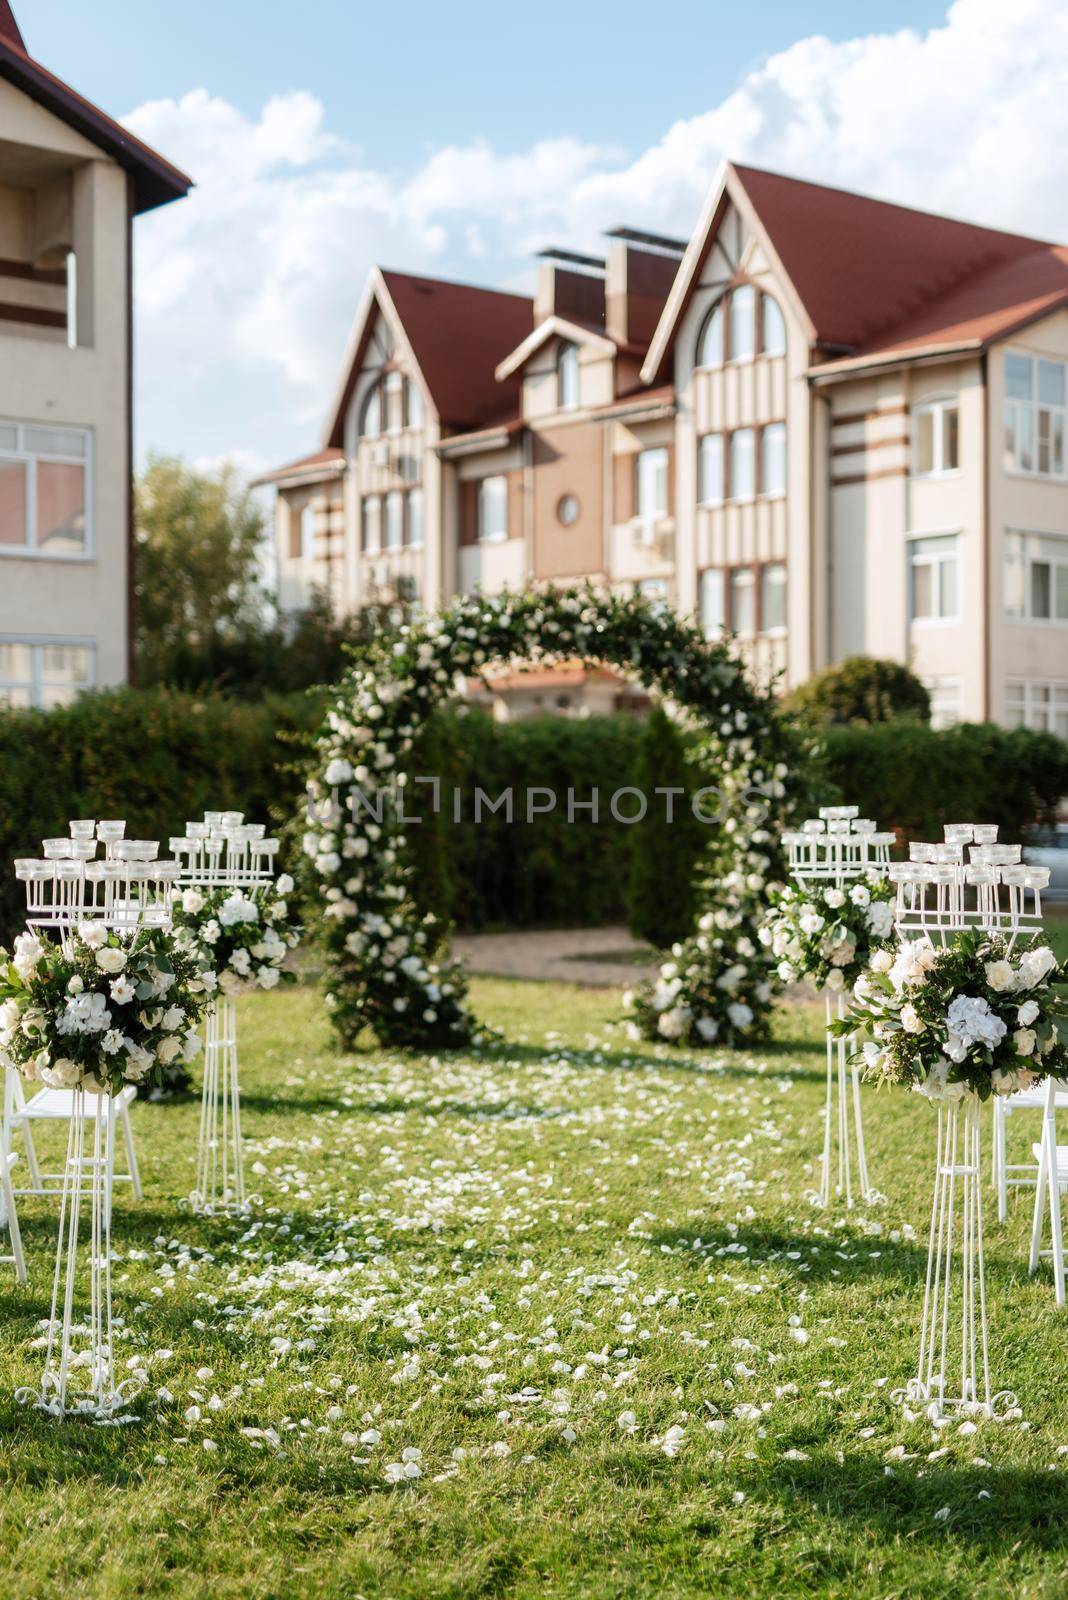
[640, 269]
[570, 285]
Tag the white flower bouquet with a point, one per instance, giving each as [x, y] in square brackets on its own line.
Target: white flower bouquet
[101, 1011]
[828, 932]
[976, 1017]
[243, 936]
[717, 988]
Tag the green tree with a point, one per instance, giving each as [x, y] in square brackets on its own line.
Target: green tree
[198, 565]
[661, 899]
[859, 689]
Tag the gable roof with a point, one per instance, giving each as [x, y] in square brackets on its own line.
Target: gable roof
[871, 277]
[456, 333]
[155, 180]
[552, 327]
[9, 28]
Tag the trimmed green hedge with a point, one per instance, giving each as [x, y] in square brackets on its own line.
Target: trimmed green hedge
[155, 757]
[158, 757]
[914, 778]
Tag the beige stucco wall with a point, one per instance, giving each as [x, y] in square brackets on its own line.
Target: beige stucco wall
[1023, 651]
[41, 380]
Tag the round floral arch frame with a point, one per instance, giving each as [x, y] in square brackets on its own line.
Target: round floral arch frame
[380, 950]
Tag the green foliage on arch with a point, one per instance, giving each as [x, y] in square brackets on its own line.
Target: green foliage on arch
[381, 954]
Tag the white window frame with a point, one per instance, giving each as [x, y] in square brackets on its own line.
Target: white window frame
[30, 459]
[767, 299]
[775, 429]
[750, 493]
[946, 701]
[745, 576]
[652, 466]
[936, 407]
[1056, 563]
[410, 543]
[740, 291]
[368, 548]
[938, 559]
[1038, 714]
[712, 587]
[1032, 409]
[718, 310]
[711, 444]
[568, 382]
[778, 630]
[306, 523]
[393, 509]
[499, 482]
[37, 643]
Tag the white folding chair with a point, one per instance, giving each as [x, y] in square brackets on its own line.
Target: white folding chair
[57, 1105]
[9, 1215]
[1017, 1174]
[1052, 1161]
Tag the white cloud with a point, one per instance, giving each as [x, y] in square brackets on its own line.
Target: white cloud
[246, 289]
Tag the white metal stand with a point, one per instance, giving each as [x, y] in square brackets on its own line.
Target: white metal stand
[1052, 1176]
[846, 1081]
[79, 1369]
[220, 1183]
[953, 1327]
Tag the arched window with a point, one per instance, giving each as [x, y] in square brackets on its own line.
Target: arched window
[567, 377]
[772, 327]
[743, 323]
[710, 341]
[371, 415]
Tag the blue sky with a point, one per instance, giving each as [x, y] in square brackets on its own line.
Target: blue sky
[316, 154]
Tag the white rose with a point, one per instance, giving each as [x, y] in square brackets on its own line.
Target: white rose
[62, 1074]
[94, 934]
[1027, 1013]
[122, 991]
[267, 977]
[834, 898]
[110, 959]
[192, 901]
[860, 894]
[911, 1020]
[1024, 1040]
[882, 961]
[27, 955]
[173, 1018]
[835, 979]
[284, 884]
[1000, 976]
[167, 1049]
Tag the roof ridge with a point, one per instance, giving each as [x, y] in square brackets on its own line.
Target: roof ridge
[452, 283]
[742, 167]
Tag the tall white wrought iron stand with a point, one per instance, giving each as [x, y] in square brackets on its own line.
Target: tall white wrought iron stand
[129, 889]
[940, 895]
[837, 847]
[223, 851]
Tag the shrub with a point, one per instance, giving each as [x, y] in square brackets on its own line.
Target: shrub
[915, 778]
[662, 855]
[860, 689]
[155, 757]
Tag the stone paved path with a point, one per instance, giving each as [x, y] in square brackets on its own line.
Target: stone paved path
[568, 955]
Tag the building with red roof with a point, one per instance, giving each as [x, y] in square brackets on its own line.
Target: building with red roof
[826, 425]
[72, 181]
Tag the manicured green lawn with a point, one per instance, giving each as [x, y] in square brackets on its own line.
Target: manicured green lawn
[531, 1267]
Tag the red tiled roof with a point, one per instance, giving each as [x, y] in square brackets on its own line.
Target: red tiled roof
[9, 28]
[321, 463]
[155, 180]
[872, 275]
[458, 334]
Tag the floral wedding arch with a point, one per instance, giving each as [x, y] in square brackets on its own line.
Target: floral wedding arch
[380, 950]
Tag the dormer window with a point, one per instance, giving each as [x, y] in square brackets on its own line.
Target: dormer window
[567, 377]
